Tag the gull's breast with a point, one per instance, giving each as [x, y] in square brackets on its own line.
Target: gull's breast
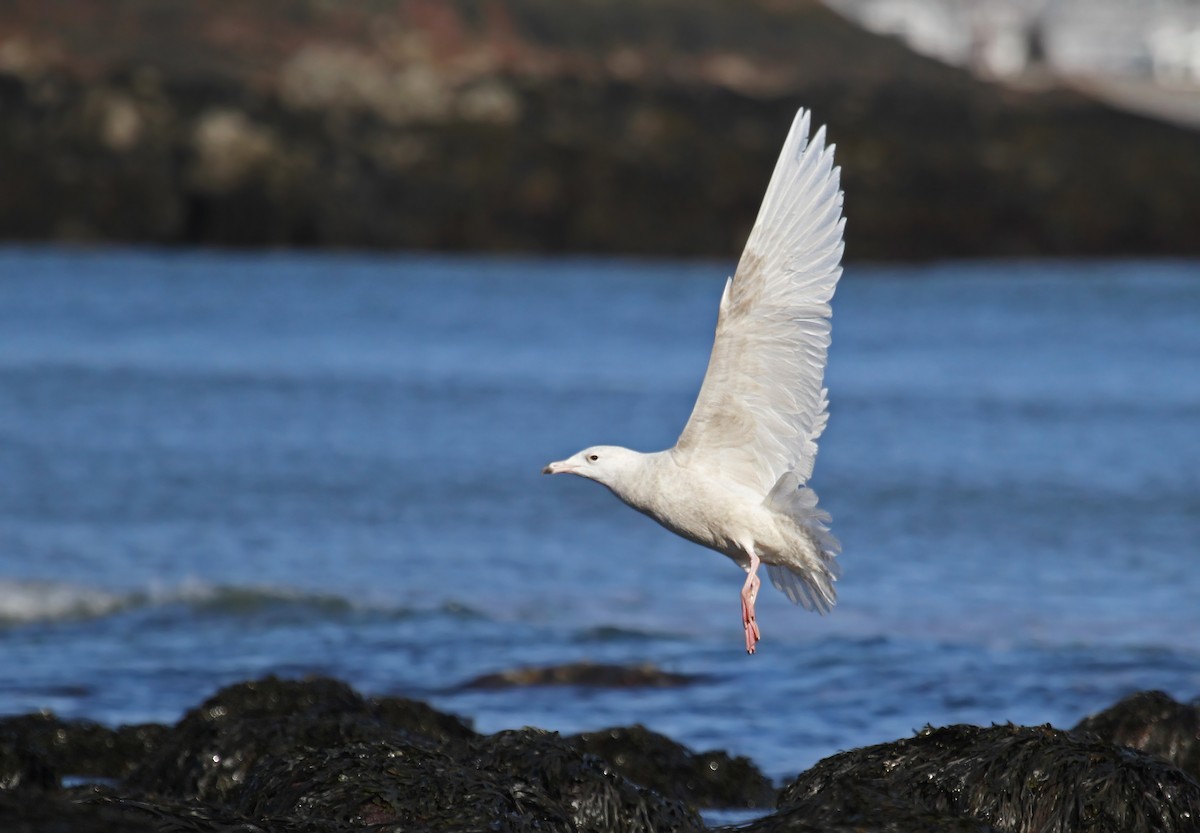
[707, 512]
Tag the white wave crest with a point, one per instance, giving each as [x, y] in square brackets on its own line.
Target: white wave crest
[34, 601]
[24, 602]
[41, 601]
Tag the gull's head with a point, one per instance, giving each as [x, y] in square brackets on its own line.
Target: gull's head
[603, 463]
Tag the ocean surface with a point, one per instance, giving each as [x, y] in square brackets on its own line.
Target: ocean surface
[216, 466]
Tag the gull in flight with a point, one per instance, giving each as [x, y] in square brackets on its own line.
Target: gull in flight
[735, 479]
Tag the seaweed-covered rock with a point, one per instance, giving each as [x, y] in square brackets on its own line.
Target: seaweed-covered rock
[703, 779]
[210, 752]
[1152, 722]
[411, 786]
[421, 718]
[600, 800]
[36, 811]
[25, 767]
[164, 815]
[862, 809]
[45, 748]
[316, 750]
[206, 755]
[314, 756]
[1018, 779]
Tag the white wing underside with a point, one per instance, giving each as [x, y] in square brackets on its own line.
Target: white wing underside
[762, 404]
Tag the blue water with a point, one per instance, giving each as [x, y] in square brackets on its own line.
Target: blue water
[217, 466]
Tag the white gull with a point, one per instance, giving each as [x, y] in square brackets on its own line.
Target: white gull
[735, 479]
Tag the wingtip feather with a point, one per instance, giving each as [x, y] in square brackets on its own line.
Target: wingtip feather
[777, 313]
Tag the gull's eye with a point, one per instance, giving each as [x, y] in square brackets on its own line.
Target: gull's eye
[593, 458]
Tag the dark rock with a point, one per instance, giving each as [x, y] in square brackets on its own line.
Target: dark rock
[701, 779]
[862, 810]
[422, 719]
[513, 781]
[206, 755]
[316, 750]
[49, 748]
[1152, 722]
[314, 756]
[209, 754]
[22, 765]
[94, 803]
[1017, 779]
[598, 799]
[36, 811]
[590, 674]
[411, 786]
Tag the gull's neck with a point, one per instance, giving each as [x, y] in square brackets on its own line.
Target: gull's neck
[638, 483]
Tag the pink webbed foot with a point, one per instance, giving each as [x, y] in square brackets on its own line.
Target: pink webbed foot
[749, 624]
[751, 627]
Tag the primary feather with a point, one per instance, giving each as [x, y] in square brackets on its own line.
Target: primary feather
[762, 404]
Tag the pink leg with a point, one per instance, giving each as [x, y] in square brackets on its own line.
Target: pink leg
[749, 594]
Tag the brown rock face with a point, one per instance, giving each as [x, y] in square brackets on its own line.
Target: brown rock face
[618, 126]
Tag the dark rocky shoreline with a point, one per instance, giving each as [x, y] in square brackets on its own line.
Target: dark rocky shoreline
[525, 125]
[314, 755]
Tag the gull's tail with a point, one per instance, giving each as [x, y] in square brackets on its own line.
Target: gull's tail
[812, 569]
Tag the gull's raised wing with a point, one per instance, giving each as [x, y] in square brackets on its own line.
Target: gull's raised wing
[762, 405]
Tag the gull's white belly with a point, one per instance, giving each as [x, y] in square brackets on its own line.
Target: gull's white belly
[707, 513]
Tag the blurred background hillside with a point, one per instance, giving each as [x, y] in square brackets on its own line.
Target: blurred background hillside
[1016, 128]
